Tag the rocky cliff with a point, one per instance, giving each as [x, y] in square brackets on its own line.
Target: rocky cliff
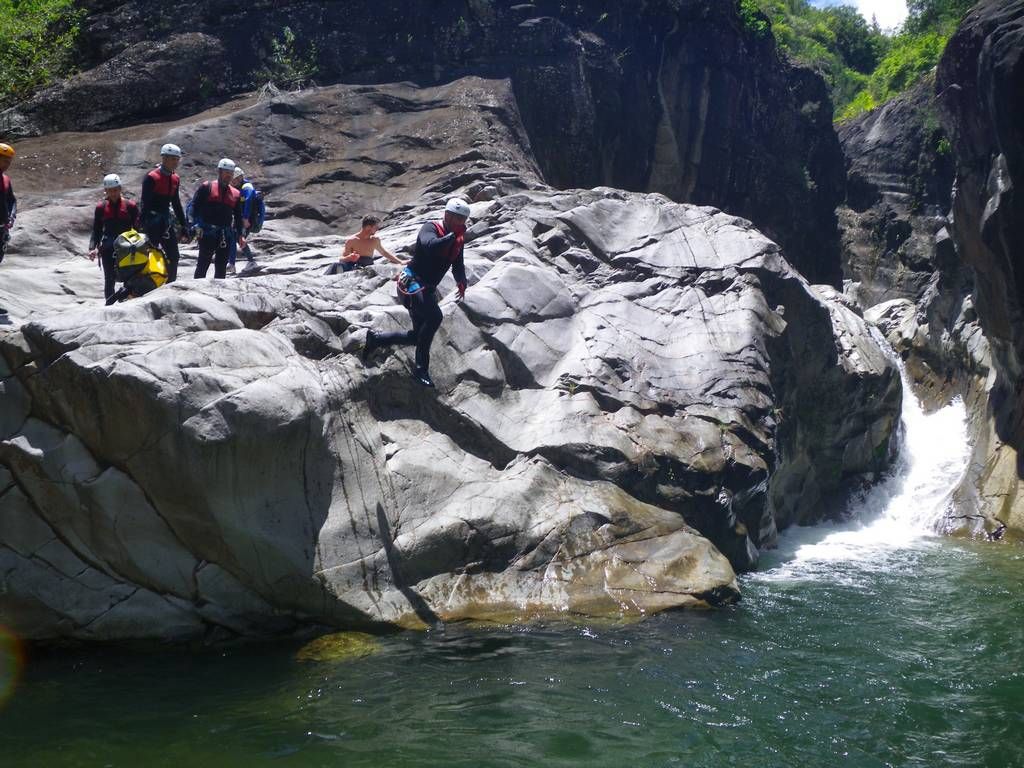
[898, 256]
[634, 396]
[671, 96]
[980, 81]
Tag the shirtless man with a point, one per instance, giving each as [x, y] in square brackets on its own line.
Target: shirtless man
[363, 244]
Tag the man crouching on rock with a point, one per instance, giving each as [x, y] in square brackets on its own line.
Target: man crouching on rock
[439, 246]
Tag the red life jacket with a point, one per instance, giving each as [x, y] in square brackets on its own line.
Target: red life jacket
[164, 184]
[455, 248]
[6, 184]
[120, 213]
[222, 195]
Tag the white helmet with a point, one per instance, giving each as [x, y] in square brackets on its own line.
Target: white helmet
[458, 206]
[170, 150]
[226, 164]
[111, 180]
[239, 172]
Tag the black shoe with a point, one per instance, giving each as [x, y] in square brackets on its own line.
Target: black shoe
[422, 377]
[368, 346]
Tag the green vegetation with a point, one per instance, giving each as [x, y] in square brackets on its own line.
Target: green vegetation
[37, 38]
[864, 65]
[286, 64]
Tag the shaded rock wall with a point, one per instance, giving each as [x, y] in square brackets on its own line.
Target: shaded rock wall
[898, 255]
[980, 81]
[672, 96]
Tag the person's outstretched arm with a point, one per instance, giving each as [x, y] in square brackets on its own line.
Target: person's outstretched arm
[386, 253]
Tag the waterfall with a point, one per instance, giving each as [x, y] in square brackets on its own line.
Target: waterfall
[903, 511]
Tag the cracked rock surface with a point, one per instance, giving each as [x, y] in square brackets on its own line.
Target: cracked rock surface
[633, 398]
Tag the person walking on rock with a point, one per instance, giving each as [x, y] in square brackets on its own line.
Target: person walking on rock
[160, 193]
[360, 248]
[8, 203]
[253, 213]
[439, 246]
[216, 211]
[114, 215]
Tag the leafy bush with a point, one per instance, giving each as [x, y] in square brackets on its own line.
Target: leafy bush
[864, 66]
[37, 39]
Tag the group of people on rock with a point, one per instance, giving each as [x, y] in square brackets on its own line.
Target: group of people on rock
[221, 215]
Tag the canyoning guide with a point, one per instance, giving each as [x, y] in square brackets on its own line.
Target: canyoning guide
[113, 216]
[216, 213]
[439, 247]
[160, 193]
[8, 203]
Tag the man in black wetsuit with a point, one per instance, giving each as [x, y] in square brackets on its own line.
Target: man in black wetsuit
[8, 203]
[216, 211]
[113, 216]
[159, 195]
[439, 246]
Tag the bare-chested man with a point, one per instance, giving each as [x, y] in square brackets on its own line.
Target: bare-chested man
[361, 246]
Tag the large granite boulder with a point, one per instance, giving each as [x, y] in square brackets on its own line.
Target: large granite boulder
[980, 81]
[633, 398]
[670, 96]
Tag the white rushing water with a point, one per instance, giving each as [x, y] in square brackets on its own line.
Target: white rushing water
[903, 511]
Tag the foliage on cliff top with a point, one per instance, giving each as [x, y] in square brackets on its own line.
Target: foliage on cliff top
[864, 65]
[37, 38]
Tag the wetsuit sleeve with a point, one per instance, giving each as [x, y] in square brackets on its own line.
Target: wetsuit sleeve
[97, 228]
[147, 192]
[196, 204]
[459, 267]
[134, 215]
[176, 204]
[428, 239]
[12, 206]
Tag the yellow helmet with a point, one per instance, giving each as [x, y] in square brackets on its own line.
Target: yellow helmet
[6, 150]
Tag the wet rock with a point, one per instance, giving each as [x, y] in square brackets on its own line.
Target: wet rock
[979, 81]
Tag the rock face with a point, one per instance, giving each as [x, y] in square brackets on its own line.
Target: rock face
[671, 96]
[634, 393]
[980, 81]
[898, 256]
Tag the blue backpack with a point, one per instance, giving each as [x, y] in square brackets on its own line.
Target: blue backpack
[255, 209]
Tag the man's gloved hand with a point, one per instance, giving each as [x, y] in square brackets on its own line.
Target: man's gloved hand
[461, 291]
[93, 253]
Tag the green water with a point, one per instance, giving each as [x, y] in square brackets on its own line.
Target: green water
[901, 656]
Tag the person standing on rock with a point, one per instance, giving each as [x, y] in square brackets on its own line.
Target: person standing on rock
[216, 211]
[439, 246]
[251, 200]
[113, 216]
[8, 203]
[160, 193]
[360, 248]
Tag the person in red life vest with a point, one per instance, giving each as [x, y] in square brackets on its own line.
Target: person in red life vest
[113, 216]
[159, 195]
[216, 211]
[8, 203]
[439, 246]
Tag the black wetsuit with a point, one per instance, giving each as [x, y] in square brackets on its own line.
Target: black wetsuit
[159, 195]
[433, 256]
[108, 222]
[217, 210]
[8, 209]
